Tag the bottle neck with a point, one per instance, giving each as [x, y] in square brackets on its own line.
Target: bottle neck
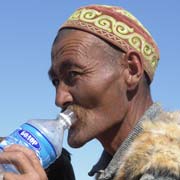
[63, 122]
[66, 118]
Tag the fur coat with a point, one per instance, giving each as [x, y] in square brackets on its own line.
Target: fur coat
[155, 152]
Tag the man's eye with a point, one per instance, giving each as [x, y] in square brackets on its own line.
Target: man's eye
[55, 82]
[72, 74]
[70, 79]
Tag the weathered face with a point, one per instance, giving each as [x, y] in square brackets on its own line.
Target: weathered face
[87, 81]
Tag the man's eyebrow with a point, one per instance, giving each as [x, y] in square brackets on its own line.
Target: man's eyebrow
[66, 65]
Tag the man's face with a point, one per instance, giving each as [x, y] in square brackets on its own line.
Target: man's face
[89, 83]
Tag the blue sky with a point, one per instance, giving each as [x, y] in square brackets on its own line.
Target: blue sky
[27, 30]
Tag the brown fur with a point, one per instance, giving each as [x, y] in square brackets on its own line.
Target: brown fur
[156, 148]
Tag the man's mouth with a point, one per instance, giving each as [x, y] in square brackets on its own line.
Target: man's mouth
[79, 113]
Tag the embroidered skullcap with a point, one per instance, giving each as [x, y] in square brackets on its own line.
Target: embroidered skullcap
[119, 27]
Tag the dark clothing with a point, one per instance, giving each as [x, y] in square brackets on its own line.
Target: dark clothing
[61, 169]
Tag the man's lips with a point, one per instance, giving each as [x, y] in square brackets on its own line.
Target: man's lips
[79, 114]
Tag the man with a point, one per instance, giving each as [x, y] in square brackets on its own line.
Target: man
[103, 62]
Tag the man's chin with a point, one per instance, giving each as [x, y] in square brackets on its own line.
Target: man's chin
[74, 142]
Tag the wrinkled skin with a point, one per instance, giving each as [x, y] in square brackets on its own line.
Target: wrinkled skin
[107, 90]
[92, 85]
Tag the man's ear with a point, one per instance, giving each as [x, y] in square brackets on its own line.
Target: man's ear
[134, 71]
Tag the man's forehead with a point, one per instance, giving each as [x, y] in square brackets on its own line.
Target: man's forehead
[75, 40]
[72, 33]
[66, 45]
[75, 50]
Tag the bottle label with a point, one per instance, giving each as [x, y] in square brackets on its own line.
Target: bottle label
[29, 136]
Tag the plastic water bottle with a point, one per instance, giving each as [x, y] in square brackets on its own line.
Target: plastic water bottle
[44, 137]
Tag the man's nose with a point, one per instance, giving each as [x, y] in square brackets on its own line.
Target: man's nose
[63, 96]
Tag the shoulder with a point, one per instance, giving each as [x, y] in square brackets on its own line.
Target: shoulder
[155, 151]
